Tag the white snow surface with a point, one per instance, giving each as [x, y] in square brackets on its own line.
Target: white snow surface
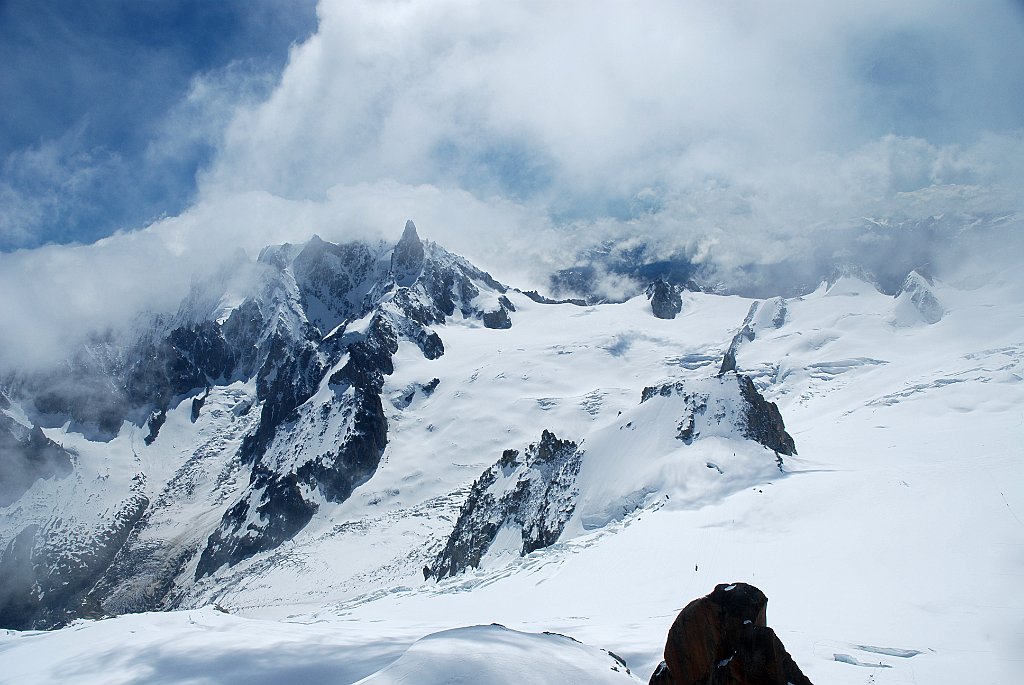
[495, 655]
[900, 524]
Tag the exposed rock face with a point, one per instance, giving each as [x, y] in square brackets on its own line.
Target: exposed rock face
[156, 420]
[280, 493]
[715, 405]
[334, 281]
[407, 259]
[779, 311]
[729, 358]
[723, 639]
[917, 297]
[197, 405]
[666, 301]
[314, 335]
[770, 313]
[540, 299]
[764, 421]
[499, 318]
[533, 493]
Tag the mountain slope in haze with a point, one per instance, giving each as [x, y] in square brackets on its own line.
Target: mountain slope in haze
[258, 415]
[245, 420]
[902, 494]
[299, 361]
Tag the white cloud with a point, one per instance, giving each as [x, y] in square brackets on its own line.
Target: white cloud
[57, 294]
[516, 133]
[740, 118]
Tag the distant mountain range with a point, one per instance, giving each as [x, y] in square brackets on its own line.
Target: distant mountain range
[357, 415]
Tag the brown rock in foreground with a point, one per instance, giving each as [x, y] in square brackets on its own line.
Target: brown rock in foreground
[723, 639]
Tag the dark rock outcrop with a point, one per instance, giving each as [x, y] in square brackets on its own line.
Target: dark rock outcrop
[197, 405]
[541, 299]
[156, 421]
[666, 301]
[757, 317]
[277, 497]
[723, 639]
[407, 259]
[764, 421]
[709, 406]
[533, 492]
[187, 358]
[497, 319]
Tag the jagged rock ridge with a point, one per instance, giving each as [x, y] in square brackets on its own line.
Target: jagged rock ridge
[771, 312]
[342, 385]
[527, 500]
[531, 494]
[710, 408]
[315, 336]
[666, 299]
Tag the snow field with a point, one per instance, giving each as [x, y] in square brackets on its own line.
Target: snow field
[898, 528]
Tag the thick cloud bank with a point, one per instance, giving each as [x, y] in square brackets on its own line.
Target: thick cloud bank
[519, 134]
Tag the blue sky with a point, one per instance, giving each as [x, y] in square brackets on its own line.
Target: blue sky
[118, 112]
[737, 133]
[95, 94]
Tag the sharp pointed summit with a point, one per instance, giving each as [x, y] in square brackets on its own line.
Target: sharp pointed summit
[410, 231]
[407, 259]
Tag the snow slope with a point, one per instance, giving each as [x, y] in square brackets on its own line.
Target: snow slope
[496, 655]
[891, 547]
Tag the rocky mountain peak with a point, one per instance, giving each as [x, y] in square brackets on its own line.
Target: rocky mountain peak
[532, 493]
[407, 259]
[665, 298]
[409, 234]
[916, 301]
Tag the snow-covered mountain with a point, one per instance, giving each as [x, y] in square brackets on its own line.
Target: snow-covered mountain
[281, 396]
[384, 433]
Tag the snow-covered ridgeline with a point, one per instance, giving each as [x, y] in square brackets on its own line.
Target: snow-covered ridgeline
[907, 431]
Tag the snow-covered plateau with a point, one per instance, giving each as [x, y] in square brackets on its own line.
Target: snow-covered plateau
[377, 463]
